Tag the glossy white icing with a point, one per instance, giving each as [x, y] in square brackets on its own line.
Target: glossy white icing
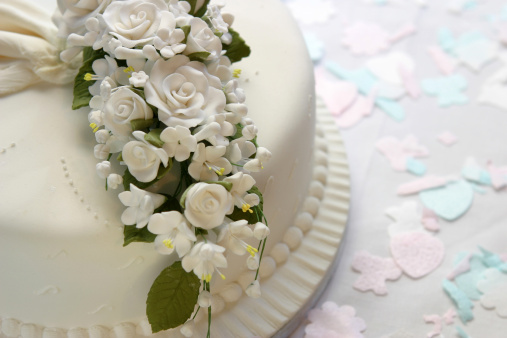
[52, 201]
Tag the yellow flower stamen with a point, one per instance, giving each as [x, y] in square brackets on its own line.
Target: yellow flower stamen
[217, 170]
[128, 69]
[246, 207]
[208, 278]
[168, 243]
[251, 250]
[94, 127]
[223, 276]
[236, 73]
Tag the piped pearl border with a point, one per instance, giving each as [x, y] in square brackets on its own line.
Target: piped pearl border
[291, 274]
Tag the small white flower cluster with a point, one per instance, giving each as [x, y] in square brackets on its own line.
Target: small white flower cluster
[164, 92]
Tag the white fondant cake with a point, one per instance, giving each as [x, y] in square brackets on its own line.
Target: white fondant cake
[63, 269]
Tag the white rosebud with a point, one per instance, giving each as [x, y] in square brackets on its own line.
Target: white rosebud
[261, 231]
[114, 181]
[252, 262]
[95, 116]
[204, 299]
[103, 169]
[138, 79]
[254, 290]
[102, 136]
[188, 328]
[202, 39]
[101, 151]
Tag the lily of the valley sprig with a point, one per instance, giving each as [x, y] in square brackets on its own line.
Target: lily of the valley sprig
[165, 103]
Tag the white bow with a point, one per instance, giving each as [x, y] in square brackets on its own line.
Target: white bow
[30, 49]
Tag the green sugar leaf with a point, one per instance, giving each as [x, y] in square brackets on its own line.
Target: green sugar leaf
[153, 137]
[237, 49]
[132, 234]
[198, 11]
[199, 56]
[172, 298]
[141, 124]
[82, 96]
[128, 178]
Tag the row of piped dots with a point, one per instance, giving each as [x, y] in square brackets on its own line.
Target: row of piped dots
[4, 150]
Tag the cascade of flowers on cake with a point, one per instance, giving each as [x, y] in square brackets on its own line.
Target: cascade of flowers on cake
[166, 104]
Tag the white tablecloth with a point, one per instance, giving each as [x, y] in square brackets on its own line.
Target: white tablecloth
[482, 134]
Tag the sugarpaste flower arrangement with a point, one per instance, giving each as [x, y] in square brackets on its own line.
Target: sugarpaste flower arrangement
[166, 105]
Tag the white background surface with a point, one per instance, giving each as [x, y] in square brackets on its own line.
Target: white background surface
[482, 133]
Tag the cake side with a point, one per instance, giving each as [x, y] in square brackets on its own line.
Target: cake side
[65, 231]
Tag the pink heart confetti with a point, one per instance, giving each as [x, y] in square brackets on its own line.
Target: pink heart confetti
[417, 253]
[334, 322]
[374, 272]
[498, 176]
[430, 220]
[361, 107]
[337, 95]
[447, 138]
[420, 184]
[398, 152]
[366, 38]
[445, 63]
[437, 325]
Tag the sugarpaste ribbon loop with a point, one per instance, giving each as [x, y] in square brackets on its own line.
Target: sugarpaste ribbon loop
[30, 48]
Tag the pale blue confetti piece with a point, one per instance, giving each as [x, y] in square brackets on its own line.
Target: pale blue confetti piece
[362, 78]
[446, 39]
[476, 175]
[448, 89]
[381, 2]
[463, 304]
[469, 38]
[471, 4]
[462, 333]
[467, 281]
[315, 47]
[391, 108]
[477, 188]
[492, 260]
[449, 202]
[415, 167]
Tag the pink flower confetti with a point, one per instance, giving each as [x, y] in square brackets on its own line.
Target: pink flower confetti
[498, 176]
[417, 253]
[449, 316]
[420, 184]
[447, 138]
[445, 63]
[430, 220]
[333, 321]
[362, 107]
[398, 152]
[366, 38]
[437, 325]
[374, 272]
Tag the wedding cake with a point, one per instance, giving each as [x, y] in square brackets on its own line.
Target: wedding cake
[199, 218]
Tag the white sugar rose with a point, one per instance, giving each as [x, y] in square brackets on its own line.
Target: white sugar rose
[135, 22]
[184, 92]
[74, 14]
[207, 204]
[202, 39]
[122, 107]
[143, 159]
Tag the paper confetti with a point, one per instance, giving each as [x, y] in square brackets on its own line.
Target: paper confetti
[478, 53]
[337, 95]
[391, 108]
[445, 63]
[407, 218]
[447, 89]
[403, 32]
[430, 220]
[417, 253]
[387, 67]
[498, 176]
[437, 325]
[449, 316]
[361, 108]
[315, 47]
[409, 82]
[462, 267]
[415, 167]
[494, 289]
[364, 38]
[463, 304]
[447, 138]
[397, 152]
[494, 90]
[362, 77]
[320, 11]
[461, 332]
[334, 321]
[473, 172]
[425, 183]
[449, 202]
[374, 272]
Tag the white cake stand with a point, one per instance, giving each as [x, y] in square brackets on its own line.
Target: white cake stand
[296, 285]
